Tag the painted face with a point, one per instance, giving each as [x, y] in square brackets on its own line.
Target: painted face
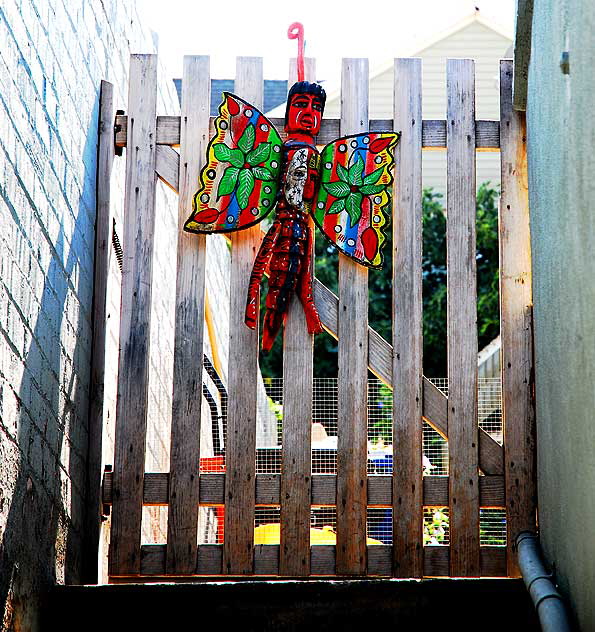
[305, 114]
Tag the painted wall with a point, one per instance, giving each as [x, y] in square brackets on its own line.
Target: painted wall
[53, 54]
[561, 141]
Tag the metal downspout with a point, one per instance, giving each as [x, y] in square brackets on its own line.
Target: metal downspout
[547, 600]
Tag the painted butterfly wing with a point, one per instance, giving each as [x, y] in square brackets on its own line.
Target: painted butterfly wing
[238, 185]
[354, 198]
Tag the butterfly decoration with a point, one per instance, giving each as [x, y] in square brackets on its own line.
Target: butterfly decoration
[250, 171]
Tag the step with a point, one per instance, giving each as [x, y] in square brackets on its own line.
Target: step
[279, 605]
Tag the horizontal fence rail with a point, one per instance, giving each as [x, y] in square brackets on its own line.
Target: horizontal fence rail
[433, 136]
[399, 522]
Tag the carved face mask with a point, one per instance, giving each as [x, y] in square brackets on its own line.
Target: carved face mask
[295, 180]
[305, 114]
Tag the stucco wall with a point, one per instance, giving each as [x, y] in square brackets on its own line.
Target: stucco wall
[53, 54]
[561, 142]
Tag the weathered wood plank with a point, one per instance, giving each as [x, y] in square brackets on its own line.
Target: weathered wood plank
[491, 455]
[135, 319]
[296, 465]
[182, 519]
[380, 560]
[103, 251]
[324, 492]
[436, 560]
[240, 490]
[323, 560]
[522, 53]
[487, 133]
[352, 408]
[266, 559]
[515, 322]
[167, 167]
[463, 435]
[407, 324]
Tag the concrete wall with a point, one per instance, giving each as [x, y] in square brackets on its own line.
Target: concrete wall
[561, 142]
[53, 54]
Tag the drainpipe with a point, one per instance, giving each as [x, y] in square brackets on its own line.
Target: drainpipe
[546, 599]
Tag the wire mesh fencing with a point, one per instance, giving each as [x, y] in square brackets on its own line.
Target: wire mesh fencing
[380, 462]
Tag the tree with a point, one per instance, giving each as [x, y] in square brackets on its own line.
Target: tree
[434, 287]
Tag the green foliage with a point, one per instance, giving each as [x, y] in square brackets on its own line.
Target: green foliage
[435, 528]
[434, 275]
[434, 287]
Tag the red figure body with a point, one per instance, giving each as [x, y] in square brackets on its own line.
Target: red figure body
[286, 251]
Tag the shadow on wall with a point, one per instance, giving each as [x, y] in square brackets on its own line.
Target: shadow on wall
[41, 544]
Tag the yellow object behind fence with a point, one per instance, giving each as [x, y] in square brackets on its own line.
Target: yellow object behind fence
[271, 534]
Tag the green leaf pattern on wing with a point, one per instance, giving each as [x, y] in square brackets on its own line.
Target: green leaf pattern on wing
[336, 207]
[355, 172]
[245, 187]
[372, 178]
[336, 189]
[353, 206]
[228, 181]
[259, 154]
[246, 140]
[262, 173]
[342, 173]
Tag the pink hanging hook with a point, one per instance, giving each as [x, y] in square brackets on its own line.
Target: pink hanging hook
[296, 31]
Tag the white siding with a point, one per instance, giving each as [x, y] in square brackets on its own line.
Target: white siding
[475, 41]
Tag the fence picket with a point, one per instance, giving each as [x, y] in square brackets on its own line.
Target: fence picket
[240, 486]
[103, 256]
[463, 434]
[135, 325]
[296, 464]
[515, 322]
[352, 453]
[182, 520]
[407, 325]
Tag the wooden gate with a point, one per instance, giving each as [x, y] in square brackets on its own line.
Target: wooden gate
[482, 473]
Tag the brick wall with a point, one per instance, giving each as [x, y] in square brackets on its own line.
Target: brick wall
[53, 54]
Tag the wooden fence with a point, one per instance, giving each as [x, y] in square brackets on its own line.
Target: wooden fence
[483, 473]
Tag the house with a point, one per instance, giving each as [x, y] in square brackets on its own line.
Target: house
[275, 92]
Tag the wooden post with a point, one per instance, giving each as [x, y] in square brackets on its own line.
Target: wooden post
[407, 325]
[182, 520]
[463, 435]
[296, 462]
[515, 322]
[103, 250]
[352, 450]
[135, 325]
[240, 485]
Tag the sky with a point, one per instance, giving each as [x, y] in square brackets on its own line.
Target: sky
[333, 29]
